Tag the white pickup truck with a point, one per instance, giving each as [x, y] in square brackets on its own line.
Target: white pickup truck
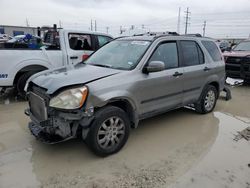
[60, 48]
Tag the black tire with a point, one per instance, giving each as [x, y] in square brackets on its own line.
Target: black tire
[21, 83]
[201, 106]
[102, 116]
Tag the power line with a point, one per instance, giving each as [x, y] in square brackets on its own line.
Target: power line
[162, 21]
[187, 17]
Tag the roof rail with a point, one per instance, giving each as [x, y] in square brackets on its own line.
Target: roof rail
[193, 35]
[156, 34]
[120, 37]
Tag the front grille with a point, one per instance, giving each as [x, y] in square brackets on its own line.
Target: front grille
[234, 60]
[233, 67]
[38, 107]
[238, 67]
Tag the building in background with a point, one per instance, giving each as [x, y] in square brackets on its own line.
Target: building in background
[17, 30]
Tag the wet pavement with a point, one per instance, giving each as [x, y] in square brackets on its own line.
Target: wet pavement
[176, 149]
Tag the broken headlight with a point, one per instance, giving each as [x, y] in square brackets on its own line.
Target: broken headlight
[70, 99]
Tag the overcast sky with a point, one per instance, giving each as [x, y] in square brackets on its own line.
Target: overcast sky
[225, 18]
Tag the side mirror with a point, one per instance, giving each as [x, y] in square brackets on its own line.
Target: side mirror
[154, 66]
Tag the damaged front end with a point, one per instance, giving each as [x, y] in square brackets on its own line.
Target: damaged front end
[51, 125]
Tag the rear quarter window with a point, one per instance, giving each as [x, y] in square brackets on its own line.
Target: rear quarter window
[213, 50]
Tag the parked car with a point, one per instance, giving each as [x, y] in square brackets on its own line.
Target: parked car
[22, 56]
[4, 38]
[225, 46]
[127, 80]
[16, 38]
[238, 61]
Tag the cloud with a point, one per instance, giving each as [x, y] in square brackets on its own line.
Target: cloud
[160, 15]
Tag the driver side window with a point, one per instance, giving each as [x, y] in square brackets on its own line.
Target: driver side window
[167, 53]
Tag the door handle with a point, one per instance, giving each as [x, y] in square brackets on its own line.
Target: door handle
[206, 69]
[73, 57]
[176, 74]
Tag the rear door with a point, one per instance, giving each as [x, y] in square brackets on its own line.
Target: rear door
[195, 70]
[78, 45]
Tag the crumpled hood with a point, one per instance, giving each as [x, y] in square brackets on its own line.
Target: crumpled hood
[236, 54]
[52, 80]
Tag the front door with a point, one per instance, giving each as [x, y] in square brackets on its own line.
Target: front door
[160, 91]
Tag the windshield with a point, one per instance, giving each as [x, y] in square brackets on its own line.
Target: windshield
[243, 46]
[119, 54]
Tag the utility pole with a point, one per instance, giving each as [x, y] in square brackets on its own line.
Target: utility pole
[120, 29]
[187, 17]
[95, 26]
[107, 29]
[60, 23]
[204, 28]
[91, 25]
[27, 22]
[179, 20]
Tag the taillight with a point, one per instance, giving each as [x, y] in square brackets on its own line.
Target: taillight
[85, 57]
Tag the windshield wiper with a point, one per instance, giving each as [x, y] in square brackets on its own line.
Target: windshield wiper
[101, 65]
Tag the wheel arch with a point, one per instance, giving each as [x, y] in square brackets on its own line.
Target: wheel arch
[35, 67]
[127, 106]
[216, 85]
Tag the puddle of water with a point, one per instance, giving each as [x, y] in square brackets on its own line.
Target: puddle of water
[226, 165]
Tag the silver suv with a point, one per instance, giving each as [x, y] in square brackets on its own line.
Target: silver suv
[127, 80]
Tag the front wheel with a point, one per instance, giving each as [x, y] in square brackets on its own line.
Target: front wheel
[207, 100]
[109, 132]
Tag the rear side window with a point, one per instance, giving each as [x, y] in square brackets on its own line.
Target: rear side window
[167, 53]
[15, 33]
[192, 54]
[102, 40]
[213, 50]
[78, 41]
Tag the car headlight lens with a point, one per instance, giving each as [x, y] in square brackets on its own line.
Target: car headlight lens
[70, 99]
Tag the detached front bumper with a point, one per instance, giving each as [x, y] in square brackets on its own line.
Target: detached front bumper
[57, 129]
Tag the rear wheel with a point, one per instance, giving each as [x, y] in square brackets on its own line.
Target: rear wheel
[21, 83]
[207, 100]
[109, 132]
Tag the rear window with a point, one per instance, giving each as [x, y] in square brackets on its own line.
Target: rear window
[213, 50]
[79, 41]
[102, 40]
